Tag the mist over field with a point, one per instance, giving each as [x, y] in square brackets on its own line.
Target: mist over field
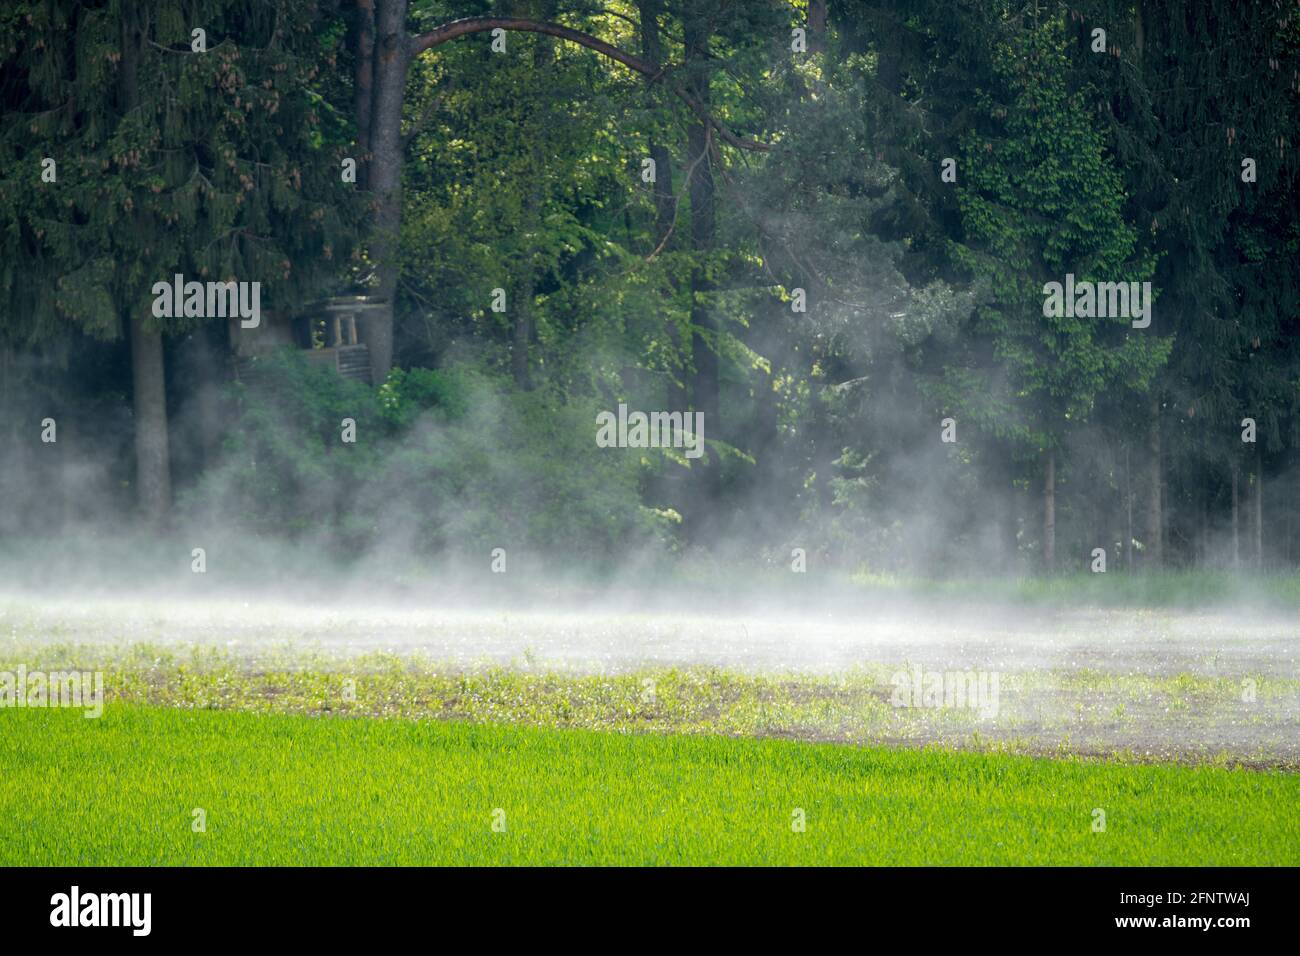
[912, 378]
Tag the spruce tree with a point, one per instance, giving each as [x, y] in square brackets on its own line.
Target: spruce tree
[190, 138]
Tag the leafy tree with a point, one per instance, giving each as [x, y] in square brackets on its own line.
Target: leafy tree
[1040, 198]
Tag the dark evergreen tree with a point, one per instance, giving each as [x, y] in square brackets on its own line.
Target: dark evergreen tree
[192, 139]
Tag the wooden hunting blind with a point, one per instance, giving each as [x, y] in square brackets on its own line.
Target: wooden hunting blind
[331, 332]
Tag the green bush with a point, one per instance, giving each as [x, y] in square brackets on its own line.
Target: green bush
[444, 461]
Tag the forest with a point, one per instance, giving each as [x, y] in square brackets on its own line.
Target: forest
[630, 433]
[951, 288]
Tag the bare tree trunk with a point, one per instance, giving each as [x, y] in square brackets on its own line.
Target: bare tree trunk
[1203, 539]
[1155, 517]
[705, 374]
[1128, 507]
[665, 201]
[149, 400]
[148, 376]
[652, 49]
[522, 331]
[1049, 514]
[1259, 510]
[1139, 33]
[364, 82]
[1290, 500]
[392, 57]
[533, 202]
[816, 26]
[1018, 521]
[705, 383]
[1236, 539]
[1010, 517]
[200, 364]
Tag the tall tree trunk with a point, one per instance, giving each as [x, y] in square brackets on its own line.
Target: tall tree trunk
[149, 400]
[1290, 507]
[665, 202]
[1139, 33]
[216, 359]
[364, 82]
[704, 328]
[1128, 507]
[148, 377]
[1049, 513]
[198, 362]
[1259, 510]
[391, 59]
[1203, 538]
[6, 389]
[522, 330]
[1155, 515]
[1010, 513]
[543, 56]
[816, 26]
[665, 207]
[1236, 523]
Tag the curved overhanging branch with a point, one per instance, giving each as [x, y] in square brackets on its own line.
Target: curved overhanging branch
[459, 28]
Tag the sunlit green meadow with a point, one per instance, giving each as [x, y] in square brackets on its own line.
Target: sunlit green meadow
[297, 789]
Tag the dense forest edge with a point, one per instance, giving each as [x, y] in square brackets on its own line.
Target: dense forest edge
[825, 230]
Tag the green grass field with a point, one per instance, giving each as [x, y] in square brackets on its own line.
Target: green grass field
[296, 789]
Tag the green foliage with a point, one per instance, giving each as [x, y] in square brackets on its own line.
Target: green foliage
[523, 173]
[1040, 198]
[407, 394]
[445, 461]
[221, 164]
[283, 469]
[500, 195]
